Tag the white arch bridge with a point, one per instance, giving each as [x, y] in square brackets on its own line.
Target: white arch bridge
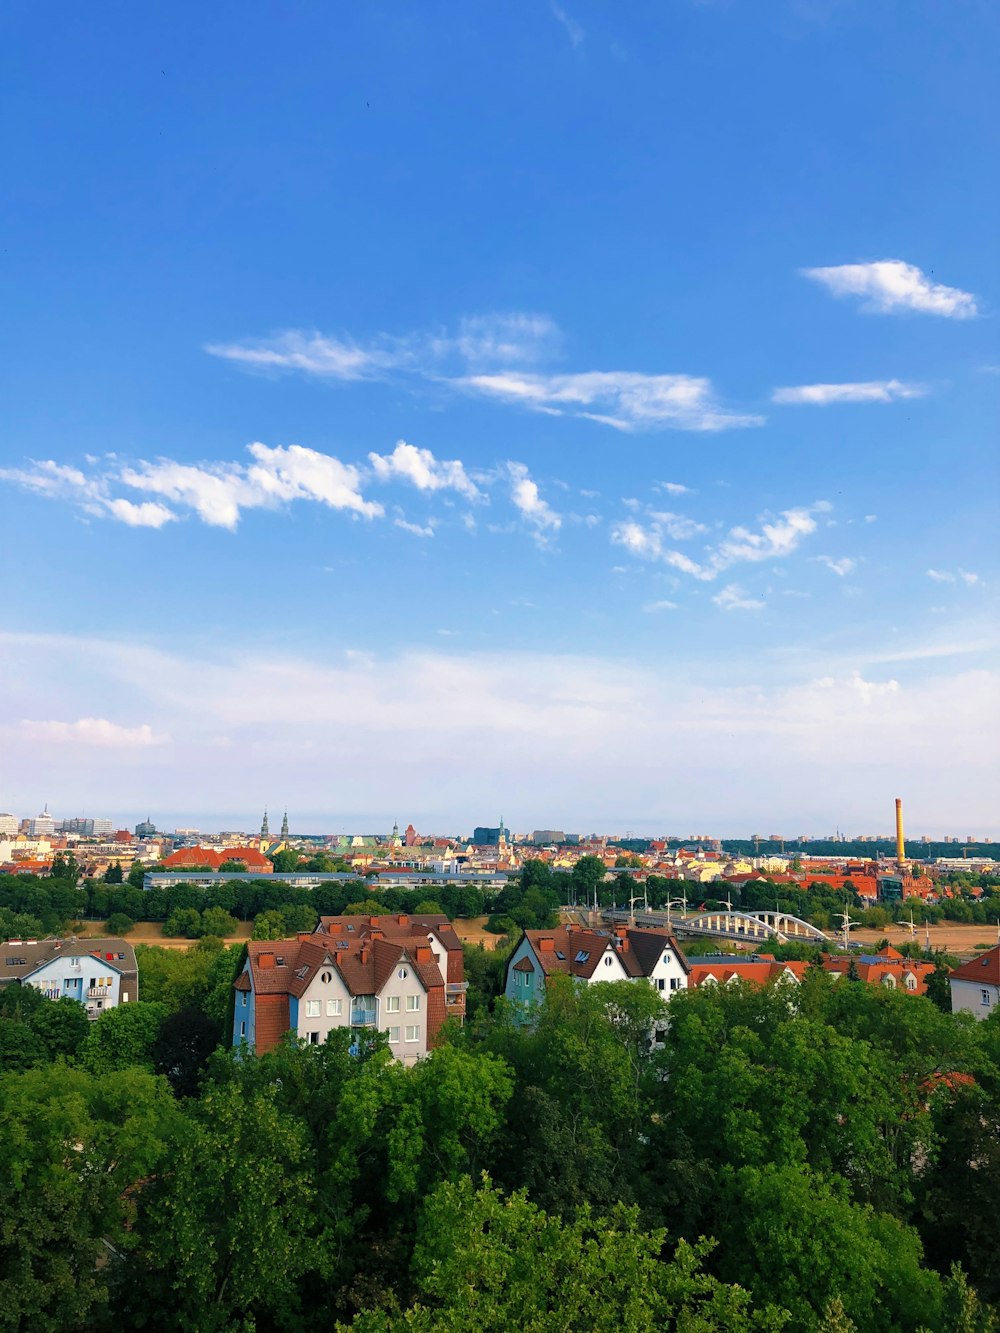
[754, 927]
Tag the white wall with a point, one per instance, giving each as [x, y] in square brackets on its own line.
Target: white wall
[404, 984]
[967, 998]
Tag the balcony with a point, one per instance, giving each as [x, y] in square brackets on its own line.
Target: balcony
[364, 1013]
[98, 992]
[455, 987]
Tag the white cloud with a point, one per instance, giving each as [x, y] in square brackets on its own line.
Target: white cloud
[147, 514]
[308, 717]
[626, 400]
[527, 499]
[673, 488]
[845, 565]
[480, 340]
[419, 467]
[891, 284]
[677, 526]
[573, 30]
[733, 598]
[966, 576]
[652, 607]
[218, 493]
[415, 528]
[92, 731]
[778, 537]
[869, 391]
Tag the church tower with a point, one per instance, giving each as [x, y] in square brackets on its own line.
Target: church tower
[263, 827]
[284, 826]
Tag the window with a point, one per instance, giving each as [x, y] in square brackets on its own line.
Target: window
[334, 1008]
[392, 1004]
[675, 983]
[125, 997]
[243, 1029]
[312, 1008]
[984, 997]
[413, 1032]
[607, 961]
[402, 974]
[243, 998]
[279, 961]
[412, 1003]
[313, 1038]
[911, 982]
[582, 956]
[326, 978]
[393, 1035]
[666, 958]
[661, 984]
[560, 955]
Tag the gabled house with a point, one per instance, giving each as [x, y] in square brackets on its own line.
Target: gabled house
[431, 928]
[975, 986]
[317, 983]
[99, 973]
[589, 956]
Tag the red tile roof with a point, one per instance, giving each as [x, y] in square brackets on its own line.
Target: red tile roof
[984, 969]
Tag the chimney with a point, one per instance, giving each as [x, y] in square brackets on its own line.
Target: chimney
[622, 938]
[365, 952]
[546, 944]
[423, 953]
[900, 845]
[404, 920]
[265, 960]
[338, 956]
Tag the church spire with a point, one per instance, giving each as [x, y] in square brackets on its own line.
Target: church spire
[284, 826]
[263, 826]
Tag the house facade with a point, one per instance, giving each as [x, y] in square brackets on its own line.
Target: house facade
[316, 984]
[100, 973]
[590, 956]
[975, 986]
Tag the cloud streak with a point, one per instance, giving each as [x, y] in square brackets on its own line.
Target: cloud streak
[626, 400]
[867, 391]
[889, 285]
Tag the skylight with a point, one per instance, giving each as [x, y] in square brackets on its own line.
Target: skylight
[582, 956]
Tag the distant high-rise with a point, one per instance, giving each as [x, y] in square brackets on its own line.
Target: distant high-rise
[43, 825]
[145, 829]
[8, 826]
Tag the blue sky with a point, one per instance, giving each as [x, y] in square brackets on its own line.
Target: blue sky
[585, 414]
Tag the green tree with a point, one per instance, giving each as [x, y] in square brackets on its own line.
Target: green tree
[120, 924]
[123, 1036]
[224, 1237]
[183, 922]
[113, 874]
[136, 874]
[269, 926]
[73, 1149]
[216, 921]
[588, 875]
[939, 987]
[487, 1263]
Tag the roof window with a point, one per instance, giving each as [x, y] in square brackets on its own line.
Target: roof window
[582, 956]
[560, 955]
[279, 961]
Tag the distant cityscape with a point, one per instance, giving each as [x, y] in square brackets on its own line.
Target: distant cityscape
[29, 844]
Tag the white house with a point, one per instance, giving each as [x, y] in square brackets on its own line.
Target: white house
[975, 986]
[589, 956]
[99, 973]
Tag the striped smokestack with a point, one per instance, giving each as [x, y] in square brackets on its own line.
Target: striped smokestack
[900, 846]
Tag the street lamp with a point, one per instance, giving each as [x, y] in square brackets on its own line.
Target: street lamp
[676, 902]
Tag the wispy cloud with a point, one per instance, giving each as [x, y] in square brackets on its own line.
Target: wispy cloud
[499, 338]
[653, 607]
[626, 400]
[845, 565]
[489, 355]
[91, 493]
[573, 30]
[888, 285]
[93, 731]
[673, 488]
[868, 391]
[528, 501]
[427, 530]
[776, 538]
[966, 576]
[418, 466]
[733, 598]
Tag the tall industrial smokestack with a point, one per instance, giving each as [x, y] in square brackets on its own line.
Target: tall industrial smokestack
[900, 846]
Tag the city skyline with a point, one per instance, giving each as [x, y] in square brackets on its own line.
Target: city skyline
[590, 413]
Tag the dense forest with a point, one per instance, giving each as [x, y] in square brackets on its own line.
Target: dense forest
[823, 1158]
